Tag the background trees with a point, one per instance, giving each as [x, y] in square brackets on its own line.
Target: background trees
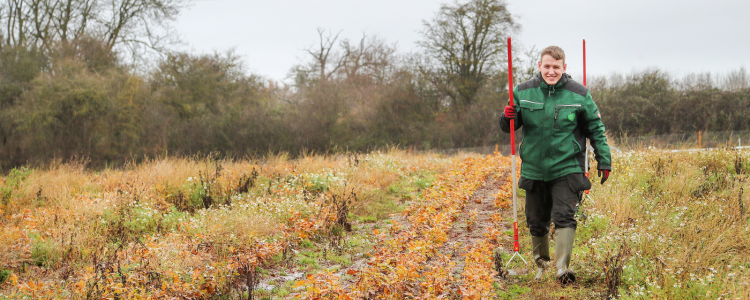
[69, 88]
[466, 43]
[134, 26]
[652, 102]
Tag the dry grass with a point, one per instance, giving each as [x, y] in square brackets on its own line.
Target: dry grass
[71, 232]
[681, 216]
[666, 225]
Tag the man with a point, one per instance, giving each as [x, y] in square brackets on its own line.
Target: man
[557, 115]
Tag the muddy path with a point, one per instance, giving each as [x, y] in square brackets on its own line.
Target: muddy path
[473, 224]
[470, 227]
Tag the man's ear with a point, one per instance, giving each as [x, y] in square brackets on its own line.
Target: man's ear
[539, 66]
[565, 67]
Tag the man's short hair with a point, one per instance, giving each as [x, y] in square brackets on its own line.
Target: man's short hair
[556, 52]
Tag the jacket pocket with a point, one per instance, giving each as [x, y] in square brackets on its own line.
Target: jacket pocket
[578, 182]
[566, 115]
[530, 105]
[526, 184]
[532, 113]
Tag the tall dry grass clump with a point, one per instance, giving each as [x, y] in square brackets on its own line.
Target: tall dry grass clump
[670, 225]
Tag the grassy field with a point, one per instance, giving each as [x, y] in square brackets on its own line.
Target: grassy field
[670, 225]
[382, 225]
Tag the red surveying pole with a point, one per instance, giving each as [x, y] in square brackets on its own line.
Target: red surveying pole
[516, 246]
[584, 84]
[584, 62]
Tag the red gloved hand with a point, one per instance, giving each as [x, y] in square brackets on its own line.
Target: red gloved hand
[510, 112]
[604, 176]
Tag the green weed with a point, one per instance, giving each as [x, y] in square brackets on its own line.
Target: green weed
[13, 183]
[307, 244]
[513, 292]
[4, 274]
[43, 251]
[308, 259]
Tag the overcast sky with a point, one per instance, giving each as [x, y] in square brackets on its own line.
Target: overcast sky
[678, 36]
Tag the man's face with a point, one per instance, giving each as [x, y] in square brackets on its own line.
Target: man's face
[552, 69]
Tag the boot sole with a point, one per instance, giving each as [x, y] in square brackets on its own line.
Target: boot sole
[567, 278]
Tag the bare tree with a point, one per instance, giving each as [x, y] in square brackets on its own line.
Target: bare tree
[323, 58]
[736, 80]
[140, 25]
[695, 82]
[370, 57]
[73, 18]
[467, 43]
[137, 25]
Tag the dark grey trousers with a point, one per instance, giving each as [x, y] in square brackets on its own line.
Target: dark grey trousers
[555, 200]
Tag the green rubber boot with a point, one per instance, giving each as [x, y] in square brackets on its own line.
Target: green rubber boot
[563, 251]
[540, 251]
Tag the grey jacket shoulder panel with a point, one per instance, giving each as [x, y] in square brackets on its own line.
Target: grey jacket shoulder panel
[576, 87]
[530, 84]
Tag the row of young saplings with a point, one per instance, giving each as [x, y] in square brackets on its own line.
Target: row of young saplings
[407, 262]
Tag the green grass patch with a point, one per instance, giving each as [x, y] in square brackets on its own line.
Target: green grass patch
[342, 259]
[307, 244]
[513, 292]
[365, 219]
[4, 274]
[44, 253]
[12, 187]
[593, 227]
[308, 259]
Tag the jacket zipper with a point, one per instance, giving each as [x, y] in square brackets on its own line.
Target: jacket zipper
[557, 111]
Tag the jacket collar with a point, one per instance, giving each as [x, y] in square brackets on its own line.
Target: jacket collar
[560, 83]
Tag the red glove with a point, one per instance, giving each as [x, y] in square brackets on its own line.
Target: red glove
[510, 112]
[604, 176]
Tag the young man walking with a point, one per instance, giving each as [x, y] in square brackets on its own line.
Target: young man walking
[557, 115]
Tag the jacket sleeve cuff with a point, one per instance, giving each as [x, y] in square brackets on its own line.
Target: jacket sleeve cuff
[504, 120]
[602, 167]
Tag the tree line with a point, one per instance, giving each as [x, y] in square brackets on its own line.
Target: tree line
[66, 95]
[653, 102]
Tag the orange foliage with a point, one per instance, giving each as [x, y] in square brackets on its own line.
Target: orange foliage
[407, 263]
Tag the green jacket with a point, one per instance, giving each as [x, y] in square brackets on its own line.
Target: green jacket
[556, 121]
